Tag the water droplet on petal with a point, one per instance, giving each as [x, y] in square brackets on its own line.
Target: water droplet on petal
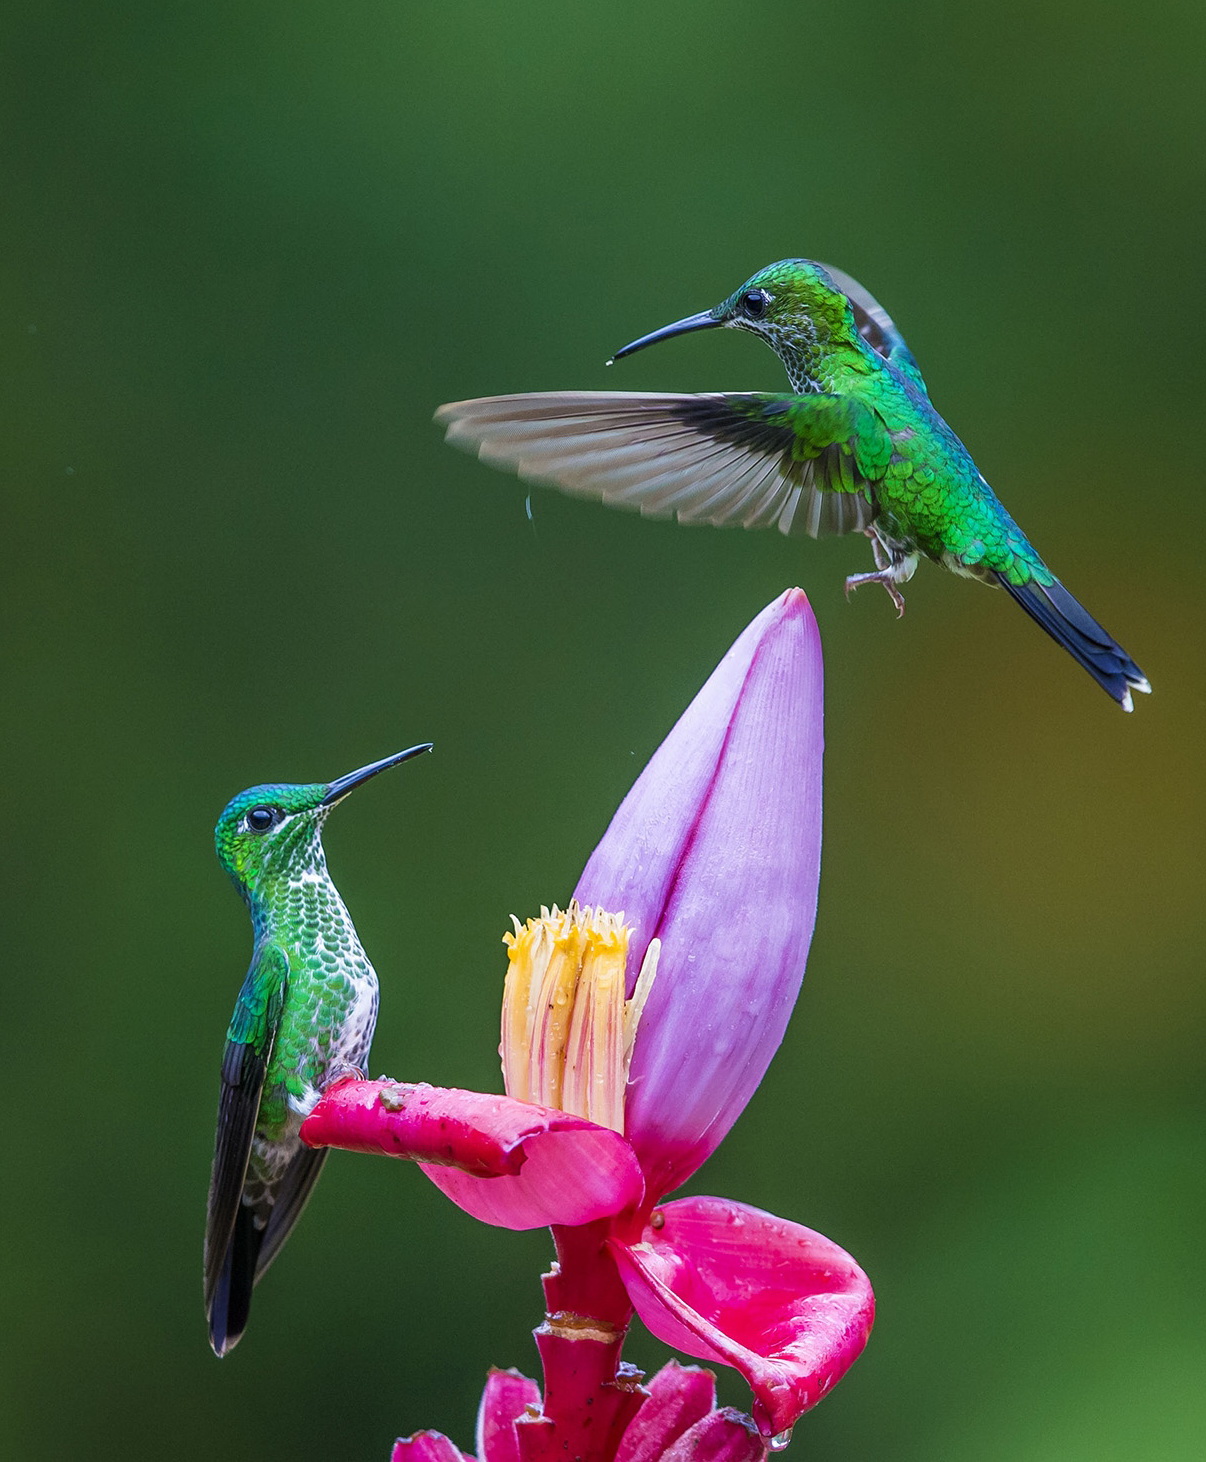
[780, 1442]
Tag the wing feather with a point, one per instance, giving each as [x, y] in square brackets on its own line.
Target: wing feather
[250, 1040]
[728, 459]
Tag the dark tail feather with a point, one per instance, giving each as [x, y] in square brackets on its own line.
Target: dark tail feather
[232, 1295]
[1078, 632]
[291, 1196]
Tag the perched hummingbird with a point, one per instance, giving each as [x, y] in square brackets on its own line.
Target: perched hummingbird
[855, 446]
[304, 1016]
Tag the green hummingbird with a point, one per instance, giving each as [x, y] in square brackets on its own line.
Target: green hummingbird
[856, 446]
[304, 1016]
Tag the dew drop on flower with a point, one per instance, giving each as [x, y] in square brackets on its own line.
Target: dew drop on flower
[779, 1442]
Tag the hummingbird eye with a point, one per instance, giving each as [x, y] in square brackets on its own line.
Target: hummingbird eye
[754, 303]
[262, 819]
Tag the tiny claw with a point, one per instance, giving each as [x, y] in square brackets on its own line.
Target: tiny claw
[342, 1071]
[887, 578]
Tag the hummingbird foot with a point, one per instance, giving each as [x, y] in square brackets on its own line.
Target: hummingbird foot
[882, 557]
[340, 1071]
[894, 565]
[885, 576]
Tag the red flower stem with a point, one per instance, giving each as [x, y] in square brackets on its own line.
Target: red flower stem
[585, 1280]
[589, 1395]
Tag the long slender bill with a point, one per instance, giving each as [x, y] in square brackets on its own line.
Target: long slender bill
[341, 786]
[705, 320]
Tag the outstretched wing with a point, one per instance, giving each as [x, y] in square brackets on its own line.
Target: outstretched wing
[805, 463]
[249, 1042]
[877, 327]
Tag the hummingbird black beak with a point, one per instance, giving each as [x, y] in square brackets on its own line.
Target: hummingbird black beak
[340, 788]
[705, 320]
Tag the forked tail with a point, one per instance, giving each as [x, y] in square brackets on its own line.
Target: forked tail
[1071, 626]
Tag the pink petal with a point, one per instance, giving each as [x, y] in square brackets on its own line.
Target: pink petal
[574, 1174]
[427, 1447]
[729, 1283]
[722, 1436]
[507, 1397]
[716, 851]
[508, 1163]
[679, 1396]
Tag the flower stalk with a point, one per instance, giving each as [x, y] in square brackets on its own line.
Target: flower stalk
[590, 1396]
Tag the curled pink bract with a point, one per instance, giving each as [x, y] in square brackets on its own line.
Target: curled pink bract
[507, 1163]
[427, 1447]
[724, 1282]
[507, 1397]
[727, 1435]
[679, 1396]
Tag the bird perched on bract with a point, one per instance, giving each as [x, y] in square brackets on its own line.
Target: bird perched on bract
[856, 446]
[304, 1016]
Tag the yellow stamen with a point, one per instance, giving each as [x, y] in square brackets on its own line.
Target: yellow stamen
[567, 1031]
[634, 1009]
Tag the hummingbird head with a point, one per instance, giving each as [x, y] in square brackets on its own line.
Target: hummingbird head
[795, 306]
[276, 829]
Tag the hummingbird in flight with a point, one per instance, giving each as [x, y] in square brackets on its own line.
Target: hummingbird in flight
[855, 446]
[304, 1017]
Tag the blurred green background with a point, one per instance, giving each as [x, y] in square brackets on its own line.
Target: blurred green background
[249, 248]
